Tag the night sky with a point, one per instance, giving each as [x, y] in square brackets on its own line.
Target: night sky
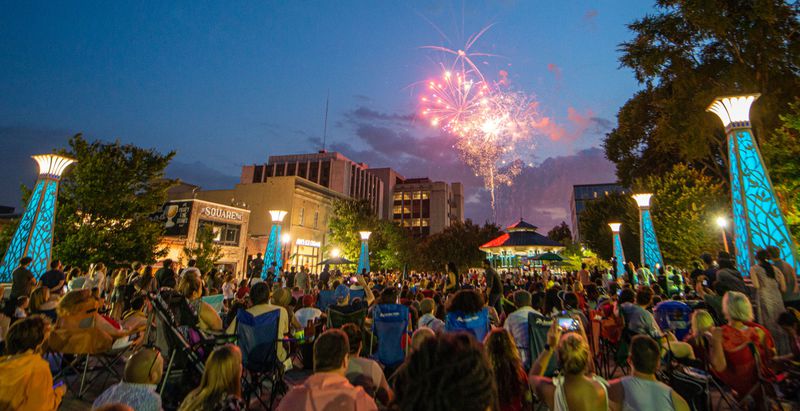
[230, 83]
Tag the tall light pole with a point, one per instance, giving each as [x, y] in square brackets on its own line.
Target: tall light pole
[616, 244]
[722, 223]
[757, 220]
[363, 259]
[285, 239]
[34, 235]
[650, 254]
[272, 254]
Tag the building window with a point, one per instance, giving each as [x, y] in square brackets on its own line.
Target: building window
[302, 170]
[279, 168]
[224, 234]
[313, 172]
[316, 218]
[417, 195]
[398, 197]
[291, 169]
[301, 216]
[325, 178]
[270, 170]
[426, 195]
[258, 171]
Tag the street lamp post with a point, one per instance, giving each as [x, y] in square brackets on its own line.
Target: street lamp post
[272, 254]
[650, 254]
[285, 249]
[34, 235]
[363, 259]
[616, 244]
[722, 223]
[757, 219]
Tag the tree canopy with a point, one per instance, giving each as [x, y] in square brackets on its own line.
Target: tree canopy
[561, 233]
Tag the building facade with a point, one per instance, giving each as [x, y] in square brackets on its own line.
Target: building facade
[305, 227]
[427, 207]
[583, 194]
[184, 218]
[331, 170]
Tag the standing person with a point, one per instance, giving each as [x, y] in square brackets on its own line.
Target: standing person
[301, 280]
[324, 277]
[710, 271]
[55, 279]
[165, 276]
[25, 379]
[257, 265]
[546, 274]
[641, 390]
[769, 283]
[791, 297]
[22, 280]
[512, 381]
[221, 385]
[494, 286]
[451, 282]
[192, 264]
[270, 277]
[146, 282]
[583, 276]
[290, 276]
[327, 388]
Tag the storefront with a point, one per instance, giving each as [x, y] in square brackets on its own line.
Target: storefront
[183, 219]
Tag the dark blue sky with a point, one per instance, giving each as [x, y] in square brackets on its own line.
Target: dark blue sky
[229, 83]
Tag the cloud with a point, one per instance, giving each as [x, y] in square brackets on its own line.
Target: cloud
[555, 69]
[200, 174]
[366, 114]
[578, 125]
[590, 18]
[362, 98]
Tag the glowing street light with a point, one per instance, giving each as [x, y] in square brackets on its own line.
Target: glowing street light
[34, 235]
[757, 220]
[273, 252]
[335, 252]
[649, 254]
[722, 222]
[616, 244]
[363, 259]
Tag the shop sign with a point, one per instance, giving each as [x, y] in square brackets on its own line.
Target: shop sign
[308, 243]
[175, 217]
[222, 213]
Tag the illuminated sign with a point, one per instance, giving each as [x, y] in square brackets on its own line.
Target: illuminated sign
[221, 213]
[308, 243]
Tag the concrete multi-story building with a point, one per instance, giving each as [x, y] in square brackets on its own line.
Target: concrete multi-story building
[427, 207]
[328, 169]
[583, 194]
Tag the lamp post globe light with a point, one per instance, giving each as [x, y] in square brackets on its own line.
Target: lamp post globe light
[273, 252]
[649, 254]
[616, 245]
[34, 235]
[335, 252]
[363, 259]
[757, 220]
[722, 223]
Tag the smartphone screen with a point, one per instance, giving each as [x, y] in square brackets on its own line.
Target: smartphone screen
[567, 324]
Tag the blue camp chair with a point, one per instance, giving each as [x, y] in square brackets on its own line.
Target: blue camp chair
[359, 293]
[257, 337]
[390, 323]
[538, 325]
[476, 324]
[215, 301]
[325, 299]
[674, 316]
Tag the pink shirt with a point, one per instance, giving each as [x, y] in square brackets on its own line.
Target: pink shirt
[323, 391]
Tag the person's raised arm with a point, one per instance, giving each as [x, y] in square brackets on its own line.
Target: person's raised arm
[367, 290]
[717, 353]
[754, 277]
[779, 277]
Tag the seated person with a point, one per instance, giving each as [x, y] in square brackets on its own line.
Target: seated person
[78, 309]
[428, 319]
[342, 296]
[42, 304]
[259, 295]
[789, 321]
[420, 336]
[191, 287]
[702, 322]
[327, 388]
[466, 311]
[365, 372]
[576, 388]
[25, 379]
[308, 312]
[138, 386]
[730, 358]
[641, 390]
[640, 321]
[282, 297]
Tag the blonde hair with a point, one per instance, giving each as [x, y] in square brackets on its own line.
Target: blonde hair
[573, 353]
[702, 321]
[736, 306]
[190, 283]
[221, 378]
[121, 277]
[76, 301]
[39, 296]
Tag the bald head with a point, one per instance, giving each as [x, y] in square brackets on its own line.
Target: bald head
[420, 336]
[144, 367]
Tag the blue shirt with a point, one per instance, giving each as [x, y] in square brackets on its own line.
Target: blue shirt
[140, 397]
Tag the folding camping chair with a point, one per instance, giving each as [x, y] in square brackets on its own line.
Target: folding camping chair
[391, 324]
[674, 316]
[358, 294]
[325, 300]
[476, 324]
[257, 336]
[337, 319]
[538, 326]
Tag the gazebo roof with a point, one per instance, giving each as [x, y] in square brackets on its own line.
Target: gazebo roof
[521, 234]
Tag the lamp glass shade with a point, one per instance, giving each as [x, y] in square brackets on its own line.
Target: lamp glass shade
[733, 109]
[615, 227]
[277, 215]
[364, 235]
[642, 200]
[52, 165]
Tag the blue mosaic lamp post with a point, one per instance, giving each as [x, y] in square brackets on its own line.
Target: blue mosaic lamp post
[649, 254]
[757, 219]
[363, 259]
[273, 252]
[617, 246]
[34, 235]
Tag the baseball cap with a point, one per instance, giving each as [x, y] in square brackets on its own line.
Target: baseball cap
[341, 292]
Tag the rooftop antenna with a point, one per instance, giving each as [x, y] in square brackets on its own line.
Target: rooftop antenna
[325, 127]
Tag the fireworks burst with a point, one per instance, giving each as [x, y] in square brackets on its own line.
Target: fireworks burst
[493, 125]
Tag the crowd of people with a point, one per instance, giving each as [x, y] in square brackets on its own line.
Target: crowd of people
[469, 342]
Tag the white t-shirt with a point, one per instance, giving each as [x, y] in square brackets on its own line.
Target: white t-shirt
[228, 290]
[306, 314]
[364, 367]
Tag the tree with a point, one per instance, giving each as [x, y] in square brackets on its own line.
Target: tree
[614, 207]
[782, 157]
[398, 249]
[687, 54]
[347, 219]
[205, 250]
[105, 202]
[561, 233]
[684, 206]
[457, 243]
